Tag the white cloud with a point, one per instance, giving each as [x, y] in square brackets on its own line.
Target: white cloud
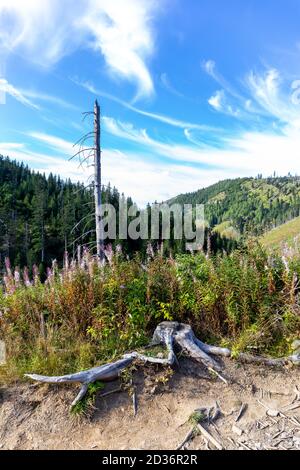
[45, 31]
[36, 95]
[219, 102]
[157, 117]
[266, 89]
[210, 68]
[146, 176]
[29, 97]
[168, 85]
[8, 88]
[245, 155]
[216, 101]
[61, 145]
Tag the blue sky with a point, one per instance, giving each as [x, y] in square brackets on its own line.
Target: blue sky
[191, 91]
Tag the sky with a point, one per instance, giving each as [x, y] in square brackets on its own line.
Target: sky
[191, 91]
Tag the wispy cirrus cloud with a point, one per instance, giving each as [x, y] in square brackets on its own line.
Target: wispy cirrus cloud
[44, 97]
[267, 90]
[210, 67]
[121, 30]
[9, 89]
[156, 116]
[265, 96]
[245, 154]
[55, 143]
[143, 177]
[169, 86]
[219, 102]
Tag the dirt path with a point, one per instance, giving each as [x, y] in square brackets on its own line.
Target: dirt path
[37, 416]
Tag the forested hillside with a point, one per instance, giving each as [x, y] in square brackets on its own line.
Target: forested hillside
[42, 217]
[248, 205]
[39, 214]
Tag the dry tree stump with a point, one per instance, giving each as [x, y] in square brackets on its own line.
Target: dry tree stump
[171, 335]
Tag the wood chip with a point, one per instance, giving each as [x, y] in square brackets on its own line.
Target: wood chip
[209, 437]
[187, 438]
[292, 407]
[237, 430]
[241, 412]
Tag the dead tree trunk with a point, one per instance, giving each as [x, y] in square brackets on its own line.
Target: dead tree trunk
[97, 183]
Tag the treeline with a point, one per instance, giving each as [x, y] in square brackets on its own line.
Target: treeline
[40, 216]
[43, 217]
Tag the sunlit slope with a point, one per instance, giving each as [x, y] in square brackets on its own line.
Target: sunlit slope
[285, 233]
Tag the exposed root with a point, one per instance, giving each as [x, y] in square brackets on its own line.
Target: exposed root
[249, 359]
[80, 395]
[171, 335]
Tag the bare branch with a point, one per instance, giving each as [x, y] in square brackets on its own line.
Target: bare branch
[81, 151]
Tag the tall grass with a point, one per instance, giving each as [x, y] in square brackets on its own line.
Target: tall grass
[86, 314]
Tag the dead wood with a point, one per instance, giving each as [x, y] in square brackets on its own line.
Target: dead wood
[171, 335]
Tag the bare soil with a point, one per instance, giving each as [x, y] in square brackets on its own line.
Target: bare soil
[38, 417]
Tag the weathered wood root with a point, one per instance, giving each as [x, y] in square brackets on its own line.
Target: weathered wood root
[170, 335]
[281, 361]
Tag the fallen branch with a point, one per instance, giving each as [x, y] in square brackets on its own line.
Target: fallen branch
[241, 412]
[209, 437]
[283, 361]
[187, 439]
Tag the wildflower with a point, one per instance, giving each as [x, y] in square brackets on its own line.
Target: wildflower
[119, 249]
[108, 251]
[26, 278]
[7, 267]
[150, 251]
[17, 277]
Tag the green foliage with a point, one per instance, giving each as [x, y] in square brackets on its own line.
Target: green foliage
[196, 417]
[87, 403]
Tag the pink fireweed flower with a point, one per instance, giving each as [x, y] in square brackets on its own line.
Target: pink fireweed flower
[26, 278]
[109, 253]
[150, 251]
[8, 267]
[36, 276]
[17, 277]
[9, 284]
[66, 261]
[118, 249]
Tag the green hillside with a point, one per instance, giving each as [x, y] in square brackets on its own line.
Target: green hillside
[247, 205]
[285, 233]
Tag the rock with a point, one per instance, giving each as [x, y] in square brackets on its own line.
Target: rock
[273, 413]
[237, 430]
